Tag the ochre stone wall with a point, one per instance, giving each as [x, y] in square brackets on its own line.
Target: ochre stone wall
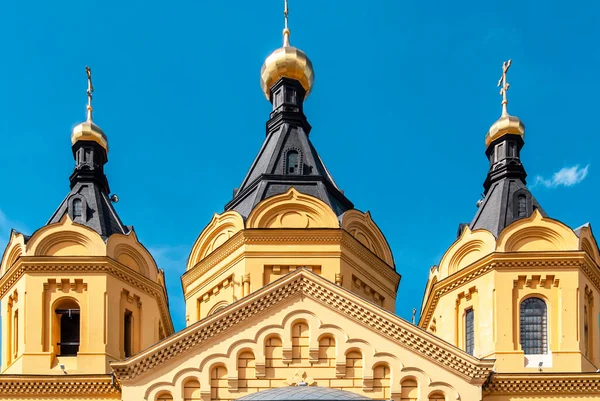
[301, 341]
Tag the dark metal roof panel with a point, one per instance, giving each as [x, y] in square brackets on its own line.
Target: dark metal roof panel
[497, 211]
[101, 215]
[303, 393]
[267, 177]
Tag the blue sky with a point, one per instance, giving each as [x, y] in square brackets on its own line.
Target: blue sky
[404, 94]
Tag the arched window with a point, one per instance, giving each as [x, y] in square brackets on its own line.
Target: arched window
[68, 323]
[292, 163]
[522, 206]
[534, 326]
[77, 209]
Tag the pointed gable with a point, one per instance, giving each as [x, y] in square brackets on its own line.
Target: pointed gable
[302, 310]
[270, 174]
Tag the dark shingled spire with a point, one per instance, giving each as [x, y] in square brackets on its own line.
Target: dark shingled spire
[506, 197]
[88, 201]
[287, 158]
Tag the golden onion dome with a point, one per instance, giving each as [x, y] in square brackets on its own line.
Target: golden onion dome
[288, 62]
[505, 125]
[88, 131]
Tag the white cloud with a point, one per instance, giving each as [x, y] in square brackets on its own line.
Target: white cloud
[566, 177]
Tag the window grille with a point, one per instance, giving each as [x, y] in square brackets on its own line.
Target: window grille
[469, 331]
[534, 326]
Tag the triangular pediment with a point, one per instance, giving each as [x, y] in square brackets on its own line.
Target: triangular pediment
[355, 326]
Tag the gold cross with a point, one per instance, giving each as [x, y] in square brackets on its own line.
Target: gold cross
[504, 85]
[90, 90]
[286, 31]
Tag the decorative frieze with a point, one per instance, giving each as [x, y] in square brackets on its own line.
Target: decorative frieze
[564, 383]
[310, 285]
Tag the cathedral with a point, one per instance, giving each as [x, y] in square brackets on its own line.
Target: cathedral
[290, 291]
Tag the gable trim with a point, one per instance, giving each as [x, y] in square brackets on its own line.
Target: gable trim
[306, 283]
[497, 261]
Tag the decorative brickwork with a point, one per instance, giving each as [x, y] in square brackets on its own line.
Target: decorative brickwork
[560, 383]
[307, 284]
[98, 387]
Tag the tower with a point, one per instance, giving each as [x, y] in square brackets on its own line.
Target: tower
[517, 286]
[81, 291]
[288, 213]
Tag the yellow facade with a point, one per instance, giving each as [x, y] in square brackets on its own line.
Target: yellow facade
[299, 292]
[67, 266]
[281, 298]
[534, 257]
[233, 258]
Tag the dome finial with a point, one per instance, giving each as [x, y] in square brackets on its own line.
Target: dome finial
[90, 90]
[88, 131]
[506, 124]
[286, 62]
[504, 85]
[286, 30]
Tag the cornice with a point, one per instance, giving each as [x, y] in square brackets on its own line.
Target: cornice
[305, 283]
[315, 236]
[87, 264]
[82, 386]
[374, 261]
[214, 274]
[543, 383]
[507, 261]
[216, 257]
[369, 275]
